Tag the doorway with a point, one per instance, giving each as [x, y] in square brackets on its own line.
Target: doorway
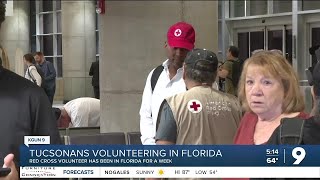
[265, 38]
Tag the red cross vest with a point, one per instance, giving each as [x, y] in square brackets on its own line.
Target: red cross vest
[205, 116]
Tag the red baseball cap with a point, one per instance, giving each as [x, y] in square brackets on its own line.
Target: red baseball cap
[181, 35]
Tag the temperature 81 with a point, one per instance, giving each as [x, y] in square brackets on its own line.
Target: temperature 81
[299, 154]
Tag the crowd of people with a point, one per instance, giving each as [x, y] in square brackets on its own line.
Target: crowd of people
[197, 101]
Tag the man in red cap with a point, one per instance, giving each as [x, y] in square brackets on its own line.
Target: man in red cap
[165, 80]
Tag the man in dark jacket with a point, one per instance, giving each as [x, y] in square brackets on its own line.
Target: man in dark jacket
[49, 75]
[94, 72]
[25, 111]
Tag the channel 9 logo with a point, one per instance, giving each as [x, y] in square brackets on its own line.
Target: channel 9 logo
[298, 154]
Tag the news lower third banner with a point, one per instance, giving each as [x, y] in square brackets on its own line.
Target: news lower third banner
[174, 161]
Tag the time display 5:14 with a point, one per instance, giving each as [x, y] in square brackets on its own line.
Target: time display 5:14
[272, 152]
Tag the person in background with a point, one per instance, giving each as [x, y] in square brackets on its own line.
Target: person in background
[226, 70]
[80, 112]
[94, 72]
[49, 73]
[180, 40]
[193, 117]
[315, 90]
[31, 72]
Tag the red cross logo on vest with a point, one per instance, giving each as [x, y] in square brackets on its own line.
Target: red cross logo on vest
[194, 106]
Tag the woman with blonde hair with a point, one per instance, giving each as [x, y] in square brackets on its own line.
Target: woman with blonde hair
[268, 91]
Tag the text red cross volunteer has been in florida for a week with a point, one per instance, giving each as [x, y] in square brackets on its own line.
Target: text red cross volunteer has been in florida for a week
[195, 106]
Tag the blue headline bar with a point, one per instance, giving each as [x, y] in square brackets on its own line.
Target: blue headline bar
[173, 155]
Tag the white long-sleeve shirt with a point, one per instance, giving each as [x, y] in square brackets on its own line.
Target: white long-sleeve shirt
[34, 73]
[84, 112]
[151, 101]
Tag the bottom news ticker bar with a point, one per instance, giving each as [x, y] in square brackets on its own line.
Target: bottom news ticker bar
[170, 172]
